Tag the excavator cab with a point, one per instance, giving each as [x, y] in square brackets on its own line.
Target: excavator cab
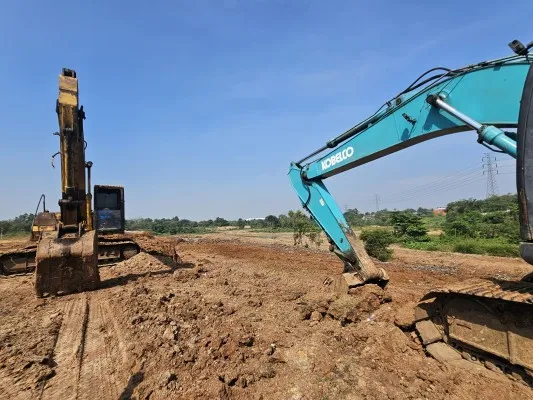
[109, 209]
[110, 223]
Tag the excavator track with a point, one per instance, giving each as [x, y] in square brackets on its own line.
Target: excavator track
[18, 261]
[112, 248]
[22, 261]
[486, 321]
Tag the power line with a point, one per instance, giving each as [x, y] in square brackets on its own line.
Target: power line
[435, 184]
[468, 182]
[426, 193]
[459, 178]
[440, 187]
[445, 188]
[490, 168]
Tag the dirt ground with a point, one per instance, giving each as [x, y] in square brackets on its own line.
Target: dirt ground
[245, 316]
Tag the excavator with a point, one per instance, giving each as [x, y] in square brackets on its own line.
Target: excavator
[484, 320]
[66, 247]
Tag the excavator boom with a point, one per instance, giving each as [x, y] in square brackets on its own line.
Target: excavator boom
[485, 98]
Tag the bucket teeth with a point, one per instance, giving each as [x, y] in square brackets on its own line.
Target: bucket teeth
[351, 280]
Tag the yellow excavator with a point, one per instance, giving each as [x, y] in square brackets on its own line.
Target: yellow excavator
[66, 247]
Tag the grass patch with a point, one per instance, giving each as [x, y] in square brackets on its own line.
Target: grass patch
[434, 222]
[183, 231]
[490, 247]
[15, 235]
[271, 230]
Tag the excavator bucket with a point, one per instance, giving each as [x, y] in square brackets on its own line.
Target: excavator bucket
[360, 272]
[67, 264]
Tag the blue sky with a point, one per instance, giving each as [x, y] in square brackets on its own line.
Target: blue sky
[197, 108]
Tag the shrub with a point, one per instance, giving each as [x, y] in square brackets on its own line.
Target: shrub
[503, 250]
[467, 247]
[315, 237]
[492, 248]
[377, 244]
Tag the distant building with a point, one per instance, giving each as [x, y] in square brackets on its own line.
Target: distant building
[439, 211]
[254, 219]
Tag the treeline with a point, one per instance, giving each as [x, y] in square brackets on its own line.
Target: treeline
[495, 217]
[381, 217]
[175, 225]
[171, 226]
[16, 226]
[473, 226]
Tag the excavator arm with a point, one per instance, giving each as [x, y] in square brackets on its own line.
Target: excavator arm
[67, 258]
[485, 98]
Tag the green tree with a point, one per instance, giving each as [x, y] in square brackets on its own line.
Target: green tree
[300, 225]
[206, 223]
[257, 224]
[221, 222]
[382, 217]
[408, 224]
[424, 212]
[353, 217]
[272, 221]
[284, 221]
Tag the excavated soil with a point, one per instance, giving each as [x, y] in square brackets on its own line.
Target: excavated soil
[239, 318]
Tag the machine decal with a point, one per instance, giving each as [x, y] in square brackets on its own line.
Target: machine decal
[337, 158]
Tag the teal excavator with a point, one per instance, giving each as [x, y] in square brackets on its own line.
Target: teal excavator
[484, 320]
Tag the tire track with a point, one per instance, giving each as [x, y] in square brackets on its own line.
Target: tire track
[68, 351]
[102, 372]
[90, 353]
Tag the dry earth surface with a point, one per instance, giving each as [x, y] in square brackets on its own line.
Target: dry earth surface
[245, 316]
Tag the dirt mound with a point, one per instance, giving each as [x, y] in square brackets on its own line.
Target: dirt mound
[165, 246]
[158, 245]
[360, 304]
[247, 322]
[139, 264]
